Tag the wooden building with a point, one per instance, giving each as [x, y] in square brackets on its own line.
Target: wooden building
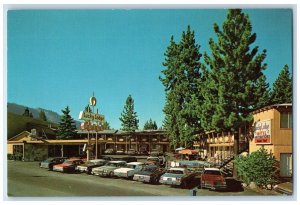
[31, 149]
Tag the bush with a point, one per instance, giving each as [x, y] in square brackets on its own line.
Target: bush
[258, 167]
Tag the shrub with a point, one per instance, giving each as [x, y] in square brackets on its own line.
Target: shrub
[258, 167]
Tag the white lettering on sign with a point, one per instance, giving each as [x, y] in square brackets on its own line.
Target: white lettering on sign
[83, 115]
[262, 132]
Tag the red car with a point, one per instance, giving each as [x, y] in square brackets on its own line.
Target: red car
[212, 178]
[69, 165]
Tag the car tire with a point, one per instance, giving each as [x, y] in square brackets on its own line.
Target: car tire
[111, 174]
[50, 168]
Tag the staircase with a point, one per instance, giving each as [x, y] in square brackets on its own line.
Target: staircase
[226, 165]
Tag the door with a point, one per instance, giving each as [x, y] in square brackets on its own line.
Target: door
[286, 168]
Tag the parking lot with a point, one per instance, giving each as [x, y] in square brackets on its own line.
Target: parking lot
[28, 179]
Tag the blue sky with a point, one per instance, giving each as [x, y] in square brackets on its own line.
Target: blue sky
[60, 57]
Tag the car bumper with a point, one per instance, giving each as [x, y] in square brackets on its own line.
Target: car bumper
[141, 178]
[81, 169]
[58, 169]
[213, 186]
[100, 173]
[46, 166]
[170, 181]
[122, 175]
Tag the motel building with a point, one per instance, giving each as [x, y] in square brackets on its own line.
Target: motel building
[271, 129]
[30, 148]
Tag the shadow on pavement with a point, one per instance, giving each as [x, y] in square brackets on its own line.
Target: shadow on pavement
[234, 185]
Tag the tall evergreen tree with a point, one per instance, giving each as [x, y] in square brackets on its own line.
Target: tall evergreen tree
[42, 115]
[282, 91]
[129, 117]
[234, 74]
[181, 79]
[66, 128]
[150, 125]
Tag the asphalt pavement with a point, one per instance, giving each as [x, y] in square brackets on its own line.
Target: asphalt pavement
[27, 179]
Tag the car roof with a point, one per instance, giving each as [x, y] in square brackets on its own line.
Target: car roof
[135, 163]
[97, 160]
[177, 168]
[213, 169]
[116, 161]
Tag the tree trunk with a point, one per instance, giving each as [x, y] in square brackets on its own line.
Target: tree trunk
[236, 150]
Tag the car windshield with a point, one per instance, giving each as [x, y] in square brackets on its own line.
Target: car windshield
[130, 166]
[112, 164]
[212, 172]
[175, 171]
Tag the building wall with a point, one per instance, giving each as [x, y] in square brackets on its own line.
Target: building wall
[281, 138]
[10, 149]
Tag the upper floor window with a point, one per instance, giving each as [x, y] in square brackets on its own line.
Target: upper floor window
[286, 120]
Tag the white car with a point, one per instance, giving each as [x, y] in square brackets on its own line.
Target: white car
[129, 171]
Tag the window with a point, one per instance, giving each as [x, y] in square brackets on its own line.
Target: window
[286, 120]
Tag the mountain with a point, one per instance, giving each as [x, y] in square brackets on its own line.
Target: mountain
[51, 116]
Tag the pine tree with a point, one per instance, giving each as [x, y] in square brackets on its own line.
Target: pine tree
[282, 91]
[150, 125]
[42, 115]
[234, 76]
[181, 80]
[129, 117]
[66, 128]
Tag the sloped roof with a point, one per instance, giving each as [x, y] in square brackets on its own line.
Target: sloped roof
[20, 136]
[275, 106]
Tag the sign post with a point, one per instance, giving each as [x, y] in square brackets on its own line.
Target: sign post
[92, 122]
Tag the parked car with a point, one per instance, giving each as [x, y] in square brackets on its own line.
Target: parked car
[149, 174]
[177, 176]
[159, 161]
[108, 169]
[68, 165]
[109, 151]
[89, 165]
[50, 162]
[121, 151]
[128, 171]
[212, 178]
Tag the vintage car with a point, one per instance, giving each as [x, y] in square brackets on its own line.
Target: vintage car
[50, 162]
[68, 165]
[149, 174]
[128, 171]
[177, 176]
[89, 165]
[108, 169]
[212, 178]
[159, 161]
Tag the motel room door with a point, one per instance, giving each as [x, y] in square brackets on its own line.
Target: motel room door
[286, 168]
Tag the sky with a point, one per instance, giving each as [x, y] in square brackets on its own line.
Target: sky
[59, 58]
